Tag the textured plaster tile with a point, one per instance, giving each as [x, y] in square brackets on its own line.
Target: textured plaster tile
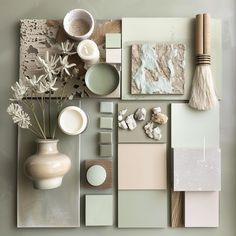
[142, 209]
[106, 122]
[113, 40]
[113, 55]
[106, 150]
[197, 169]
[201, 209]
[142, 166]
[105, 137]
[99, 210]
[192, 128]
[158, 69]
[106, 107]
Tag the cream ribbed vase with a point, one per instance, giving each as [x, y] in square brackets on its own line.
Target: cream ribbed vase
[48, 166]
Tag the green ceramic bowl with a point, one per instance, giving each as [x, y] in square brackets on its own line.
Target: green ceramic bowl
[102, 79]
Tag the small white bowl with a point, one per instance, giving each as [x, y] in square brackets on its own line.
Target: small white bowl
[78, 24]
[96, 175]
[72, 120]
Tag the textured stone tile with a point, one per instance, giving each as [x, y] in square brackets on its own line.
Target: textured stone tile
[106, 122]
[105, 137]
[142, 209]
[98, 210]
[106, 107]
[201, 209]
[158, 68]
[197, 169]
[113, 40]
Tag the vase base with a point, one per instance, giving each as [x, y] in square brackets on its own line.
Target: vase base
[48, 183]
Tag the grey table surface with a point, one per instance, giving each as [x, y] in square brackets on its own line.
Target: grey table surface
[10, 13]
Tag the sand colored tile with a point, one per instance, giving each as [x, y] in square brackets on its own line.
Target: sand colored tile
[201, 209]
[142, 209]
[197, 169]
[142, 166]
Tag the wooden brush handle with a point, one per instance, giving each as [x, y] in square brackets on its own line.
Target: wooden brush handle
[206, 33]
[199, 34]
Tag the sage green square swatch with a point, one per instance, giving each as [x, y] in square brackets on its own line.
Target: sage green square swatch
[106, 107]
[98, 210]
[142, 209]
[106, 150]
[113, 40]
[106, 122]
[105, 137]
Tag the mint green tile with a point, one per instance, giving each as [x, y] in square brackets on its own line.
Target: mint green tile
[98, 210]
[105, 137]
[113, 40]
[106, 107]
[142, 209]
[106, 122]
[106, 150]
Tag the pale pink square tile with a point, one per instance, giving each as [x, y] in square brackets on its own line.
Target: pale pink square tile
[113, 55]
[142, 166]
[201, 209]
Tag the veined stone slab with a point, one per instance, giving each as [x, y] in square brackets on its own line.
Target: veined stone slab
[158, 68]
[197, 169]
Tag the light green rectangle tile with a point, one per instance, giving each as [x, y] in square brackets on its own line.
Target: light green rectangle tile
[113, 40]
[191, 128]
[142, 209]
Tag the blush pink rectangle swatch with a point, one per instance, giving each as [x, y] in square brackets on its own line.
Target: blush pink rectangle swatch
[142, 166]
[201, 209]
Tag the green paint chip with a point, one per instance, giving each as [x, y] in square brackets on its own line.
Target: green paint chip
[113, 40]
[106, 107]
[106, 150]
[98, 210]
[142, 209]
[105, 137]
[106, 122]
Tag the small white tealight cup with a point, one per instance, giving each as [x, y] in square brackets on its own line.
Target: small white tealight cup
[72, 120]
[88, 51]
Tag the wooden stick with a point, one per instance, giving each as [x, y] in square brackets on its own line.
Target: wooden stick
[206, 33]
[177, 209]
[199, 34]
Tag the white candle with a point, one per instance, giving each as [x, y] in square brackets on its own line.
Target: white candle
[88, 51]
[72, 120]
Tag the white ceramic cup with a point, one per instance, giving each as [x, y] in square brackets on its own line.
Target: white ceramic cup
[78, 24]
[72, 120]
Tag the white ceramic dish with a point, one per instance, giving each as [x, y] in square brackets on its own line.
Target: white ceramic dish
[78, 24]
[72, 120]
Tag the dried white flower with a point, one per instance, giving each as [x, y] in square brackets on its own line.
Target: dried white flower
[49, 64]
[19, 117]
[65, 65]
[20, 88]
[34, 82]
[66, 47]
[45, 86]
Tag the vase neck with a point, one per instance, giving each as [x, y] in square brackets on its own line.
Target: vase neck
[47, 146]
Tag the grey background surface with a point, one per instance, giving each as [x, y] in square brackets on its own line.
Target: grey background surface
[10, 13]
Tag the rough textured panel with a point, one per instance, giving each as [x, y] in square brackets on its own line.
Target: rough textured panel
[39, 36]
[158, 68]
[142, 166]
[142, 209]
[177, 209]
[99, 210]
[197, 169]
[107, 165]
[201, 209]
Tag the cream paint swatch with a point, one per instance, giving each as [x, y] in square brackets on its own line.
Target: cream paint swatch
[201, 209]
[142, 166]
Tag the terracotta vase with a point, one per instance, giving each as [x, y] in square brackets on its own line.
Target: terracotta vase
[47, 166]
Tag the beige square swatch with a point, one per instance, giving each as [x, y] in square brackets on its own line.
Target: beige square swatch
[142, 166]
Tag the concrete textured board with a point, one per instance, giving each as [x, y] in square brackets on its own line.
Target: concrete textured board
[98, 210]
[197, 169]
[201, 209]
[142, 166]
[105, 137]
[191, 128]
[142, 209]
[173, 30]
[138, 135]
[106, 150]
[107, 165]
